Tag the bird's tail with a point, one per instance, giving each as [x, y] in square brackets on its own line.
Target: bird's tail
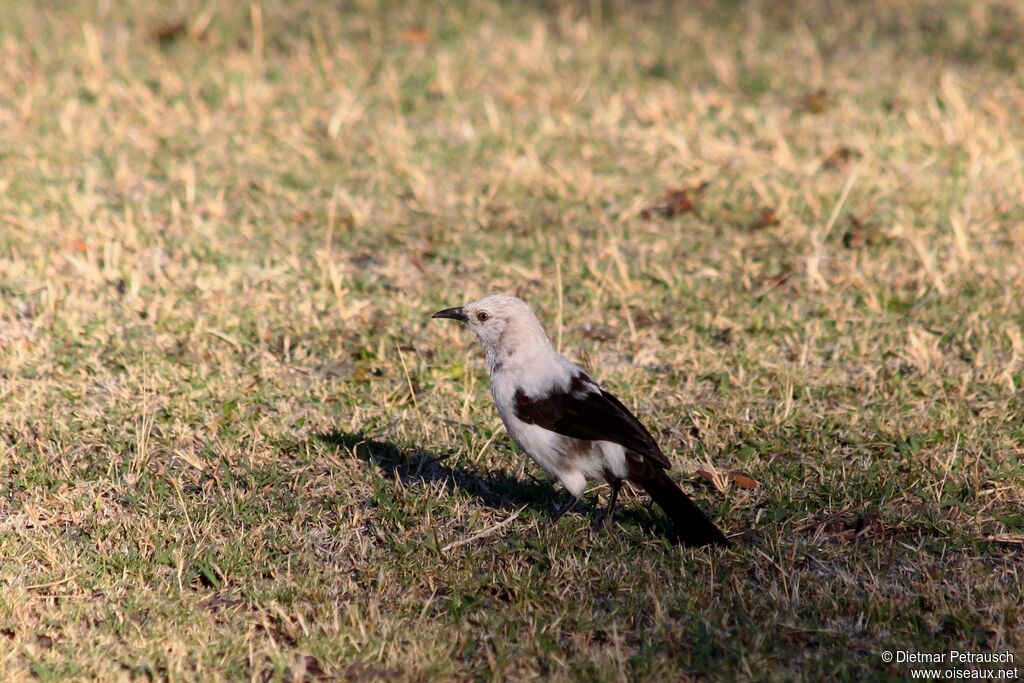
[693, 526]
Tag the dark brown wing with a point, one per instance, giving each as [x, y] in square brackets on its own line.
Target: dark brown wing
[585, 411]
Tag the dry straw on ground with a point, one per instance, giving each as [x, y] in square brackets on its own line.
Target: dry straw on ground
[233, 447]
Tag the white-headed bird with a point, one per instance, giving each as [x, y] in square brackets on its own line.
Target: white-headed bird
[568, 423]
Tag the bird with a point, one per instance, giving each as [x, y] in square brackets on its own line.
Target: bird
[570, 425]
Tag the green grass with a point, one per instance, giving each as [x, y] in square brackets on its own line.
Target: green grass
[234, 446]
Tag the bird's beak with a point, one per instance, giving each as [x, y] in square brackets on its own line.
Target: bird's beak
[457, 313]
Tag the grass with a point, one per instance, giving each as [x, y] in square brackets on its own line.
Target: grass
[233, 446]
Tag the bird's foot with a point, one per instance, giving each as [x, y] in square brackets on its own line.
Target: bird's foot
[602, 520]
[562, 510]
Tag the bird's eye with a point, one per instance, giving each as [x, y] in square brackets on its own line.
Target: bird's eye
[483, 316]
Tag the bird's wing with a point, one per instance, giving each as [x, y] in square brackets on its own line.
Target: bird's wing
[584, 410]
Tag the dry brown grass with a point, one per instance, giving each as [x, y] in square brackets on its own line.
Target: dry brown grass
[233, 446]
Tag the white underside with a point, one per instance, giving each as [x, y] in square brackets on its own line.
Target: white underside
[571, 461]
[536, 370]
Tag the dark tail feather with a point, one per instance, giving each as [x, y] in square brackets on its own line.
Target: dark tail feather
[693, 526]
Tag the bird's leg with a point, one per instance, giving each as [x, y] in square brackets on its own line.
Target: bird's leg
[616, 484]
[565, 508]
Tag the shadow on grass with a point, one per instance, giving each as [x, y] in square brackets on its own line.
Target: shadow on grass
[495, 489]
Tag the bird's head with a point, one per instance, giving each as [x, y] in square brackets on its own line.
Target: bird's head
[502, 323]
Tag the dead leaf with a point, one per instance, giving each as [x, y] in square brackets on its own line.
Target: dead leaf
[414, 36]
[643, 319]
[744, 481]
[859, 234]
[814, 102]
[893, 104]
[717, 478]
[839, 158]
[678, 202]
[739, 479]
[512, 98]
[780, 278]
[168, 32]
[723, 335]
[418, 264]
[766, 218]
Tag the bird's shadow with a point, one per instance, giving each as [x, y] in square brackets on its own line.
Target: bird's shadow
[496, 490]
[417, 466]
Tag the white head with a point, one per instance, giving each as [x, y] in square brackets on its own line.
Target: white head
[505, 325]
